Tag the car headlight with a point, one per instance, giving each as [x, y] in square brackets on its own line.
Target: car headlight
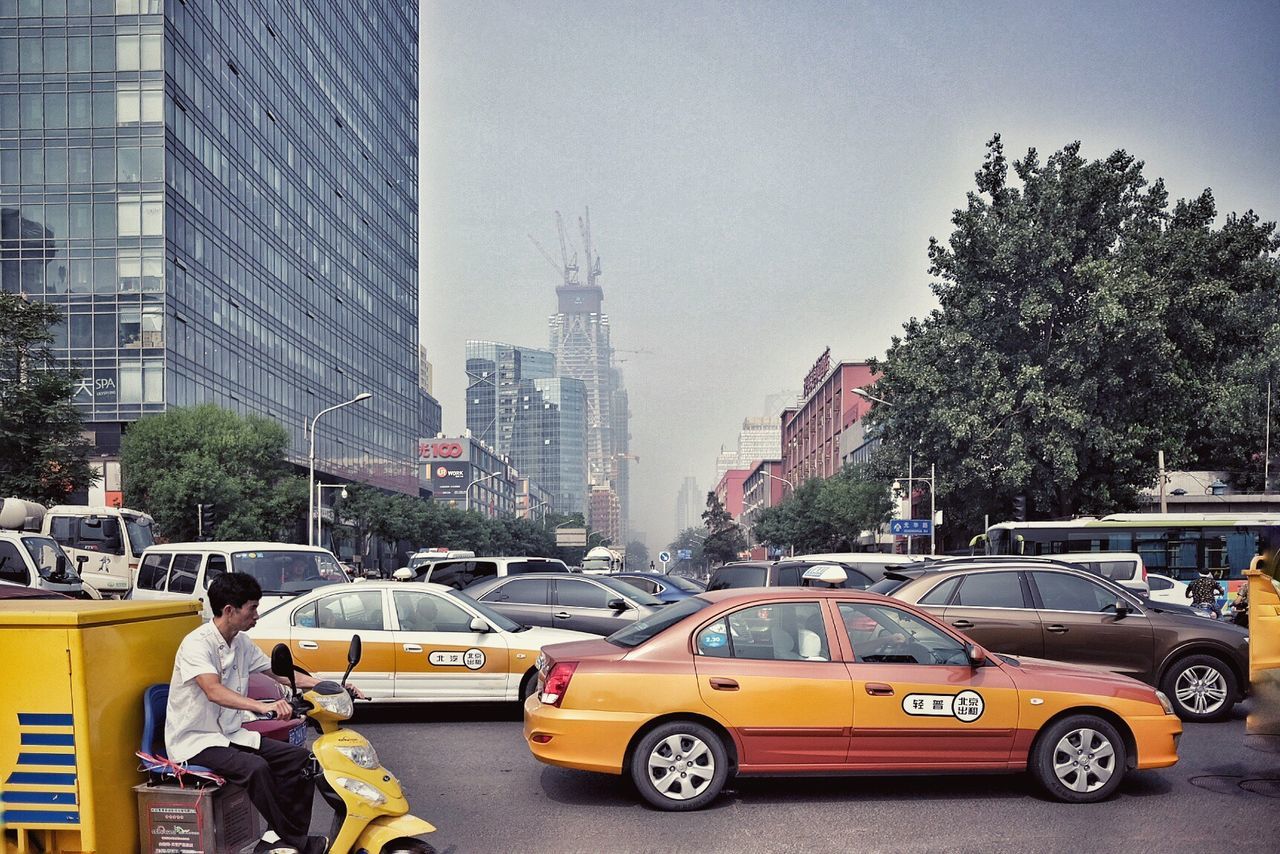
[362, 754]
[362, 789]
[338, 704]
[1164, 703]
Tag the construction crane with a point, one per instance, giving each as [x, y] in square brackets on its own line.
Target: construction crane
[593, 261]
[570, 268]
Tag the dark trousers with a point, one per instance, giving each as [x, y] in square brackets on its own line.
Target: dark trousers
[272, 775]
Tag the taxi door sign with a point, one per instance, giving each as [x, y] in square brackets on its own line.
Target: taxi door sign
[472, 659]
[967, 706]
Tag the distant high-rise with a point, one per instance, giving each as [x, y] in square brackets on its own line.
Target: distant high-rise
[760, 439]
[494, 374]
[549, 439]
[579, 333]
[690, 502]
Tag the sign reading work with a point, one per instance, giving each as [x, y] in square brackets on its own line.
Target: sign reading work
[910, 527]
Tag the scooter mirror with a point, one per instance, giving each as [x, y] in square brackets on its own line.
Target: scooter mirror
[282, 663]
[353, 657]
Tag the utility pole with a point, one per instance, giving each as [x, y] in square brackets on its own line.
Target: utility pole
[1164, 504]
[1266, 448]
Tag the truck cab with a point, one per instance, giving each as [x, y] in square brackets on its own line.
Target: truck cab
[105, 543]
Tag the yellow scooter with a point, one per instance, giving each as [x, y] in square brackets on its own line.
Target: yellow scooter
[370, 813]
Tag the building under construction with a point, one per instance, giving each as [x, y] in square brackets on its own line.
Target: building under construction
[580, 341]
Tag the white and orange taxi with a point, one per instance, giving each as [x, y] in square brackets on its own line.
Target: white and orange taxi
[818, 680]
[421, 642]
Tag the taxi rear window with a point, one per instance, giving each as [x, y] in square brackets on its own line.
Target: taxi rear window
[642, 630]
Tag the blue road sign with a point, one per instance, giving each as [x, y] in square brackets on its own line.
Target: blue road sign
[664, 556]
[910, 527]
[685, 554]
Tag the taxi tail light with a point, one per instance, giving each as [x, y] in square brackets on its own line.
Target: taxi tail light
[557, 683]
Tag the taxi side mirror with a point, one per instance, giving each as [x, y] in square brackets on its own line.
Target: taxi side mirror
[977, 655]
[479, 625]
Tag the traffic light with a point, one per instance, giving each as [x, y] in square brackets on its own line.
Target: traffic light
[1019, 508]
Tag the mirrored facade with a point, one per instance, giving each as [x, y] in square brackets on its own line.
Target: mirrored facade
[222, 197]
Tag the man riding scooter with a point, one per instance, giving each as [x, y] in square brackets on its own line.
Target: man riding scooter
[206, 713]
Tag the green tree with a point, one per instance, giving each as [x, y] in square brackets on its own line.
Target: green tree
[1082, 326]
[827, 515]
[724, 536]
[637, 555]
[206, 455]
[42, 449]
[690, 540]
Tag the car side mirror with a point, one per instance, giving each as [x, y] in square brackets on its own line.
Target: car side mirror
[977, 655]
[81, 560]
[282, 663]
[617, 604]
[479, 625]
[1122, 607]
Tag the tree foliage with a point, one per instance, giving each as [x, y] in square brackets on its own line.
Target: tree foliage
[174, 461]
[827, 515]
[42, 448]
[637, 555]
[1082, 326]
[690, 540]
[724, 536]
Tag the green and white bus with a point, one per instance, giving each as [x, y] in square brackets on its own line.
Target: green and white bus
[1178, 545]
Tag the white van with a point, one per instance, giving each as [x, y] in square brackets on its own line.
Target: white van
[184, 570]
[105, 543]
[422, 557]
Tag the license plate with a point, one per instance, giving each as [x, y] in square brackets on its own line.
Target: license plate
[298, 735]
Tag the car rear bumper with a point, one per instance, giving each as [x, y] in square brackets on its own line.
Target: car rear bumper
[1157, 739]
[585, 739]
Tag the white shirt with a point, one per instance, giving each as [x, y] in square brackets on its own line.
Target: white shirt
[194, 722]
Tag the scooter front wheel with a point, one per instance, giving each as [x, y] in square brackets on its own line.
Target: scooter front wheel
[407, 845]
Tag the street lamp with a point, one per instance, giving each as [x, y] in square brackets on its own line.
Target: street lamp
[528, 513]
[467, 503]
[933, 514]
[320, 488]
[311, 467]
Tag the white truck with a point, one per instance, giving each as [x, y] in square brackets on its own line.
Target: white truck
[104, 543]
[601, 561]
[29, 558]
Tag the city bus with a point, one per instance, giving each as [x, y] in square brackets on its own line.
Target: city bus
[1178, 545]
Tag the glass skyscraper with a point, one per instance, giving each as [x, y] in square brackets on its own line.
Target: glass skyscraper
[222, 197]
[549, 442]
[494, 373]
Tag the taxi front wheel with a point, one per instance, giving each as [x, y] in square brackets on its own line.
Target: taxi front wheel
[679, 766]
[1079, 759]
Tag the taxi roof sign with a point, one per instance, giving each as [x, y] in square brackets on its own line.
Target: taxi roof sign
[824, 573]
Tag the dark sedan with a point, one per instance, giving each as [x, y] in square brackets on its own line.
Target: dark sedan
[598, 604]
[1043, 609]
[666, 588]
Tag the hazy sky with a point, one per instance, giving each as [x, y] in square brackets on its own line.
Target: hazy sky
[763, 178]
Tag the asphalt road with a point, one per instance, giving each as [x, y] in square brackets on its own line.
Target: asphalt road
[466, 769]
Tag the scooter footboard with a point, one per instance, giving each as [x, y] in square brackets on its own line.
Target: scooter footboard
[385, 828]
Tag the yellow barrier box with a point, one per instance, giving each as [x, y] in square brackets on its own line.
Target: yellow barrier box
[71, 717]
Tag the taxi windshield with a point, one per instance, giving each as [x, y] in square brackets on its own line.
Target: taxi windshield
[642, 630]
[50, 560]
[289, 572]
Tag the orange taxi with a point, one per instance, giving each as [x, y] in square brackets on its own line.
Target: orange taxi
[818, 680]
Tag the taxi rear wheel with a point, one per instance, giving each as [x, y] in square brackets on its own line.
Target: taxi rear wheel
[1079, 759]
[679, 766]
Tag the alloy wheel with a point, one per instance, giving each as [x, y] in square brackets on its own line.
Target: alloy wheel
[1201, 688]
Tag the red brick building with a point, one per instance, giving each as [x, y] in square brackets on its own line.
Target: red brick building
[811, 429]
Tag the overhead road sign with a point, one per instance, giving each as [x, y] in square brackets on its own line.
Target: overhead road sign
[911, 527]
